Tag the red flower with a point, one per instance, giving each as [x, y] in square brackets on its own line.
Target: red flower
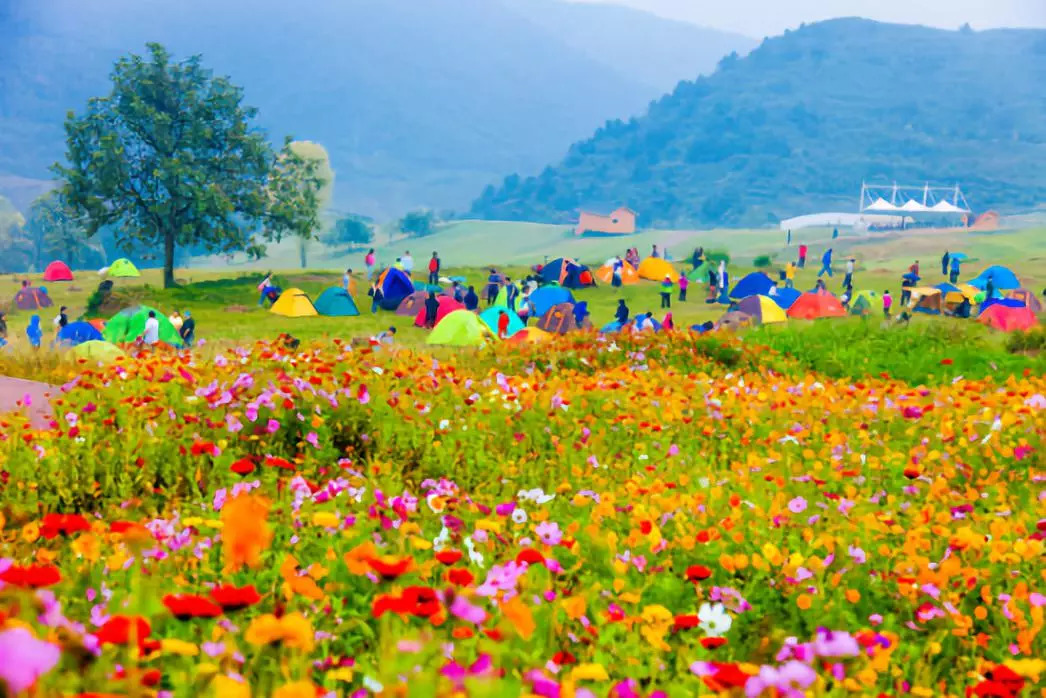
[946, 362]
[530, 556]
[726, 677]
[232, 598]
[65, 524]
[686, 622]
[564, 658]
[205, 448]
[695, 573]
[244, 466]
[448, 557]
[421, 601]
[460, 577]
[31, 576]
[119, 630]
[186, 606]
[386, 603]
[390, 567]
[710, 643]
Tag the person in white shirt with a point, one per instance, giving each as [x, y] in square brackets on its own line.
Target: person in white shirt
[151, 335]
[407, 261]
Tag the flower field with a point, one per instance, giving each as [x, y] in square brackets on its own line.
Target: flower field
[631, 517]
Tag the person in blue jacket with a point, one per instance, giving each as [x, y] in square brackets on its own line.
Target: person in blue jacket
[33, 331]
[826, 263]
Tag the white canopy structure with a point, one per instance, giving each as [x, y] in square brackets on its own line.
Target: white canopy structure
[894, 198]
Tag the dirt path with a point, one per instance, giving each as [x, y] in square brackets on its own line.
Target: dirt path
[12, 399]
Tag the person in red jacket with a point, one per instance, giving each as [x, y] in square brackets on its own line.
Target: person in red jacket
[802, 256]
[434, 265]
[502, 325]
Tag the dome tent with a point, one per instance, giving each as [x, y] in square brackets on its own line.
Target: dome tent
[460, 328]
[32, 298]
[129, 324]
[447, 305]
[294, 303]
[123, 268]
[656, 269]
[811, 306]
[395, 285]
[76, 333]
[490, 319]
[755, 284]
[568, 273]
[761, 309]
[548, 296]
[1001, 317]
[336, 302]
[1002, 279]
[410, 305]
[98, 350]
[629, 275]
[58, 271]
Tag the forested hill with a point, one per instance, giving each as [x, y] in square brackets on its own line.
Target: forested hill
[419, 102]
[798, 124]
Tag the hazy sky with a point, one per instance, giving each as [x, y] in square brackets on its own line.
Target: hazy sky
[759, 18]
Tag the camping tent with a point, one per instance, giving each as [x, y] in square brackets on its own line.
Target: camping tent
[410, 305]
[548, 296]
[122, 268]
[700, 273]
[294, 303]
[629, 275]
[460, 328]
[395, 286]
[1002, 279]
[101, 351]
[811, 306]
[31, 298]
[784, 297]
[129, 324]
[926, 299]
[490, 319]
[734, 320]
[864, 302]
[529, 335]
[558, 319]
[568, 273]
[656, 269]
[1026, 297]
[58, 271]
[762, 309]
[336, 302]
[756, 283]
[447, 305]
[1000, 317]
[77, 333]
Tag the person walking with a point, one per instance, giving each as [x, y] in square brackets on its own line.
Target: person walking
[471, 299]
[666, 292]
[493, 286]
[434, 267]
[887, 303]
[33, 332]
[944, 263]
[407, 262]
[188, 329]
[906, 289]
[684, 283]
[848, 279]
[790, 275]
[802, 256]
[431, 310]
[511, 293]
[263, 288]
[369, 261]
[954, 263]
[826, 263]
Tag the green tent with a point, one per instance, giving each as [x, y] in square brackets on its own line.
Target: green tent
[865, 302]
[129, 324]
[460, 328]
[700, 273]
[336, 302]
[100, 351]
[490, 319]
[123, 268]
[502, 300]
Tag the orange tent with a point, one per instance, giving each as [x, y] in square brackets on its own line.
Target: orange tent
[656, 269]
[811, 306]
[629, 275]
[1000, 317]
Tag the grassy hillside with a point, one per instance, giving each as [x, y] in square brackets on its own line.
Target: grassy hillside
[800, 122]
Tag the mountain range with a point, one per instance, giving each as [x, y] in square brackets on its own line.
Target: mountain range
[421, 103]
[800, 122]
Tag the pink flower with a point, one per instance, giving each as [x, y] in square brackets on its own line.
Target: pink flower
[1021, 452]
[232, 423]
[272, 427]
[797, 505]
[466, 611]
[24, 659]
[549, 533]
[362, 394]
[313, 440]
[790, 679]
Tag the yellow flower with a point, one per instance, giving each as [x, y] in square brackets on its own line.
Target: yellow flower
[179, 647]
[1028, 668]
[574, 606]
[298, 689]
[87, 547]
[226, 687]
[326, 519]
[657, 620]
[30, 532]
[594, 672]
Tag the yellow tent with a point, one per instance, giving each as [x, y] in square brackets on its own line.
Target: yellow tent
[294, 303]
[656, 269]
[762, 309]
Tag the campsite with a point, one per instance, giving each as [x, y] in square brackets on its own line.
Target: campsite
[564, 350]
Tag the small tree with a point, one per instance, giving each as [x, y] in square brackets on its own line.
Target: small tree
[352, 230]
[55, 233]
[169, 158]
[418, 223]
[295, 187]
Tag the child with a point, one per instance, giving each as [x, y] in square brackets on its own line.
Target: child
[666, 292]
[33, 332]
[790, 275]
[684, 283]
[887, 303]
[502, 324]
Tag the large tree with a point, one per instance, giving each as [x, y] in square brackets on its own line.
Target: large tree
[169, 158]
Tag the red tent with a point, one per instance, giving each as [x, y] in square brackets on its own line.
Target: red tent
[58, 271]
[811, 306]
[1000, 317]
[447, 305]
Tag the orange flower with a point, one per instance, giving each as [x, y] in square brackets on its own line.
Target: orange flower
[245, 534]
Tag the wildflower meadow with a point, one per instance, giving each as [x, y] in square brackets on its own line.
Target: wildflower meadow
[617, 516]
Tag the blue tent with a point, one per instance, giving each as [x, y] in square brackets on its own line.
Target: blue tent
[1004, 302]
[395, 286]
[336, 302]
[490, 319]
[612, 327]
[784, 297]
[548, 296]
[755, 284]
[77, 333]
[947, 288]
[1002, 279]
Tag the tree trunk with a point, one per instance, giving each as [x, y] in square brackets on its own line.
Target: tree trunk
[168, 260]
[301, 252]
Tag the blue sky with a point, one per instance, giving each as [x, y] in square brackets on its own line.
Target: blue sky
[759, 18]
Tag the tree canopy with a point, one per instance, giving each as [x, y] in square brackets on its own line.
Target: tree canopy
[418, 223]
[171, 158]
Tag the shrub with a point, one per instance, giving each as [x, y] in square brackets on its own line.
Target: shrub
[762, 261]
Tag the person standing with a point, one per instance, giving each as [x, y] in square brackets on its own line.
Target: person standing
[802, 256]
[151, 334]
[431, 310]
[713, 284]
[654, 253]
[471, 299]
[369, 261]
[493, 286]
[666, 292]
[954, 265]
[887, 303]
[3, 329]
[944, 264]
[502, 324]
[434, 266]
[826, 263]
[188, 329]
[511, 293]
[616, 272]
[848, 279]
[695, 258]
[684, 283]
[914, 268]
[790, 275]
[349, 282]
[33, 332]
[906, 289]
[621, 314]
[61, 320]
[722, 280]
[376, 297]
[989, 287]
[835, 233]
[407, 262]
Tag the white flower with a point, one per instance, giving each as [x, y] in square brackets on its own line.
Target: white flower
[474, 555]
[519, 516]
[714, 619]
[372, 685]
